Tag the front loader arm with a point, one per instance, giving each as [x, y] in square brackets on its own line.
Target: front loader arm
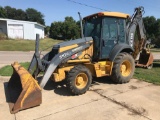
[47, 65]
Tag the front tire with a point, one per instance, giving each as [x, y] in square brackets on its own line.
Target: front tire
[79, 80]
[123, 68]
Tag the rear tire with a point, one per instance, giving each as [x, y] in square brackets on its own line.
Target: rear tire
[79, 80]
[123, 68]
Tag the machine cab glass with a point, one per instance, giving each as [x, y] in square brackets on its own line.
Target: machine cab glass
[106, 33]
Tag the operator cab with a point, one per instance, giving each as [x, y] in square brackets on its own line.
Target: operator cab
[107, 30]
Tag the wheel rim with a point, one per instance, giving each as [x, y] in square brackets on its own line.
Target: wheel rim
[81, 80]
[126, 68]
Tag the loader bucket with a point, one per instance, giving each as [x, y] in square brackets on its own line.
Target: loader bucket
[24, 91]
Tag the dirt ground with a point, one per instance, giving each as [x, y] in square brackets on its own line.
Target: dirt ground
[104, 101]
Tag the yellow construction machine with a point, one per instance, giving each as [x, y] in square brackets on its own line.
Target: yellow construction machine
[108, 47]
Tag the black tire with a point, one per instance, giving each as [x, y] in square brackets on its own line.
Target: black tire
[79, 80]
[123, 68]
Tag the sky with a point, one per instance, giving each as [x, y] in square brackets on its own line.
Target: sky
[57, 10]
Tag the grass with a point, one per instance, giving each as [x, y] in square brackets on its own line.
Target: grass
[8, 70]
[152, 75]
[26, 45]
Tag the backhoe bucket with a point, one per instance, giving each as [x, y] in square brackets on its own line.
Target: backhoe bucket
[145, 59]
[24, 91]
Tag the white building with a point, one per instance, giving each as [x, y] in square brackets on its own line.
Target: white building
[17, 29]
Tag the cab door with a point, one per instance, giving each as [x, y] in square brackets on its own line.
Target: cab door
[113, 32]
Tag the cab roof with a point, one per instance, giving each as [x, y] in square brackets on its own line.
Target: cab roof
[110, 14]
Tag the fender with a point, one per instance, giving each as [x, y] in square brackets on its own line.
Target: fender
[119, 48]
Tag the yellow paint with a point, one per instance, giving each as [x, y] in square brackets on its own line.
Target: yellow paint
[109, 14]
[109, 67]
[67, 48]
[81, 80]
[88, 51]
[29, 85]
[101, 68]
[115, 14]
[126, 68]
[60, 74]
[79, 61]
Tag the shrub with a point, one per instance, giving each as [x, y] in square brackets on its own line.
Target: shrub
[3, 36]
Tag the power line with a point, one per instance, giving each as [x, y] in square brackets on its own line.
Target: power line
[145, 6]
[87, 5]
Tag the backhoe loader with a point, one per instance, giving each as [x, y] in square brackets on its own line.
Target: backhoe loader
[108, 47]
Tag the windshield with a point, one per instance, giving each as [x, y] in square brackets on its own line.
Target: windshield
[92, 27]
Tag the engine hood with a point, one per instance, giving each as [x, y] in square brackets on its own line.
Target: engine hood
[71, 42]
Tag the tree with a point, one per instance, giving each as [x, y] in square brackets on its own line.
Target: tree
[66, 30]
[157, 32]
[11, 12]
[20, 15]
[70, 29]
[35, 16]
[3, 13]
[56, 30]
[79, 26]
[152, 26]
[150, 22]
[47, 29]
